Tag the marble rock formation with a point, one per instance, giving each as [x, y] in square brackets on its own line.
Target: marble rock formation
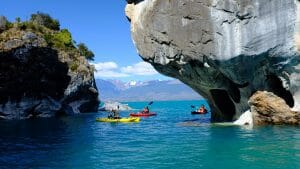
[224, 50]
[110, 105]
[37, 80]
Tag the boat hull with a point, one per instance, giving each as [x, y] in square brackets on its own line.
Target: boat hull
[142, 114]
[121, 120]
[194, 112]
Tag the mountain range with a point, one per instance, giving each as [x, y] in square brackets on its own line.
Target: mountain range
[158, 90]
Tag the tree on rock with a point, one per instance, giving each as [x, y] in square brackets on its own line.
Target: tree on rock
[45, 20]
[84, 51]
[4, 24]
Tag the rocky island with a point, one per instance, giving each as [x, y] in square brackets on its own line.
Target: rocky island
[224, 50]
[43, 72]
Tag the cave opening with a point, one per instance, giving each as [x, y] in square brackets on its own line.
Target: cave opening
[224, 104]
[275, 86]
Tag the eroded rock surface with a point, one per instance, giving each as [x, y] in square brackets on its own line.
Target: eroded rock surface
[224, 50]
[37, 80]
[267, 108]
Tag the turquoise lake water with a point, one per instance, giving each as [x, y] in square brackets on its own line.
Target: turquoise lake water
[172, 139]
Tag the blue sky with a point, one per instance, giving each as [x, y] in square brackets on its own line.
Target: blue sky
[101, 25]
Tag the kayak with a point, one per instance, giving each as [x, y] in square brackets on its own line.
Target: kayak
[122, 120]
[140, 114]
[195, 112]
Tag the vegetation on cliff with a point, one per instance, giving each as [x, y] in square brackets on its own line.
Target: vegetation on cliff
[43, 71]
[43, 25]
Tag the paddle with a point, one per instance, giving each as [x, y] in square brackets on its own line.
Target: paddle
[193, 107]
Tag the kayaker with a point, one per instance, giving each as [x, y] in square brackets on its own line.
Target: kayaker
[110, 115]
[114, 114]
[202, 109]
[146, 110]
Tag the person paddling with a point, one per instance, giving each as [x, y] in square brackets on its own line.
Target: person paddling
[114, 114]
[146, 110]
[202, 109]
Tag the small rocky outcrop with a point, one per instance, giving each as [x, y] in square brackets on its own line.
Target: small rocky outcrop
[42, 74]
[224, 50]
[110, 105]
[267, 108]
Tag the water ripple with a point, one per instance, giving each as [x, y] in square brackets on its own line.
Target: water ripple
[173, 139]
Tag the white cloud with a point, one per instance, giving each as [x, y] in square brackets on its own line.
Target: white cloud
[109, 74]
[108, 70]
[141, 68]
[105, 66]
[112, 70]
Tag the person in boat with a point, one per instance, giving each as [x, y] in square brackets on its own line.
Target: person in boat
[146, 110]
[202, 109]
[114, 114]
[110, 115]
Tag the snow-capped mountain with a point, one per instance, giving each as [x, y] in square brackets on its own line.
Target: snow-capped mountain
[115, 90]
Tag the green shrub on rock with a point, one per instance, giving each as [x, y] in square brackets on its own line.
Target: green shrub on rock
[84, 51]
[61, 40]
[74, 66]
[18, 19]
[45, 20]
[47, 28]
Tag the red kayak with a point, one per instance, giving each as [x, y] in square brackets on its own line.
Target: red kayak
[141, 114]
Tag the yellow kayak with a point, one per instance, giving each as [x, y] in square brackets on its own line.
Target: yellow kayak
[122, 120]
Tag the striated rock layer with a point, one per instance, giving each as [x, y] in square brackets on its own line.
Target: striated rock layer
[224, 50]
[36, 80]
[268, 108]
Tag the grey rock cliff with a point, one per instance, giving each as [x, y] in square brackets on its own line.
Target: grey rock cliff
[36, 80]
[224, 50]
